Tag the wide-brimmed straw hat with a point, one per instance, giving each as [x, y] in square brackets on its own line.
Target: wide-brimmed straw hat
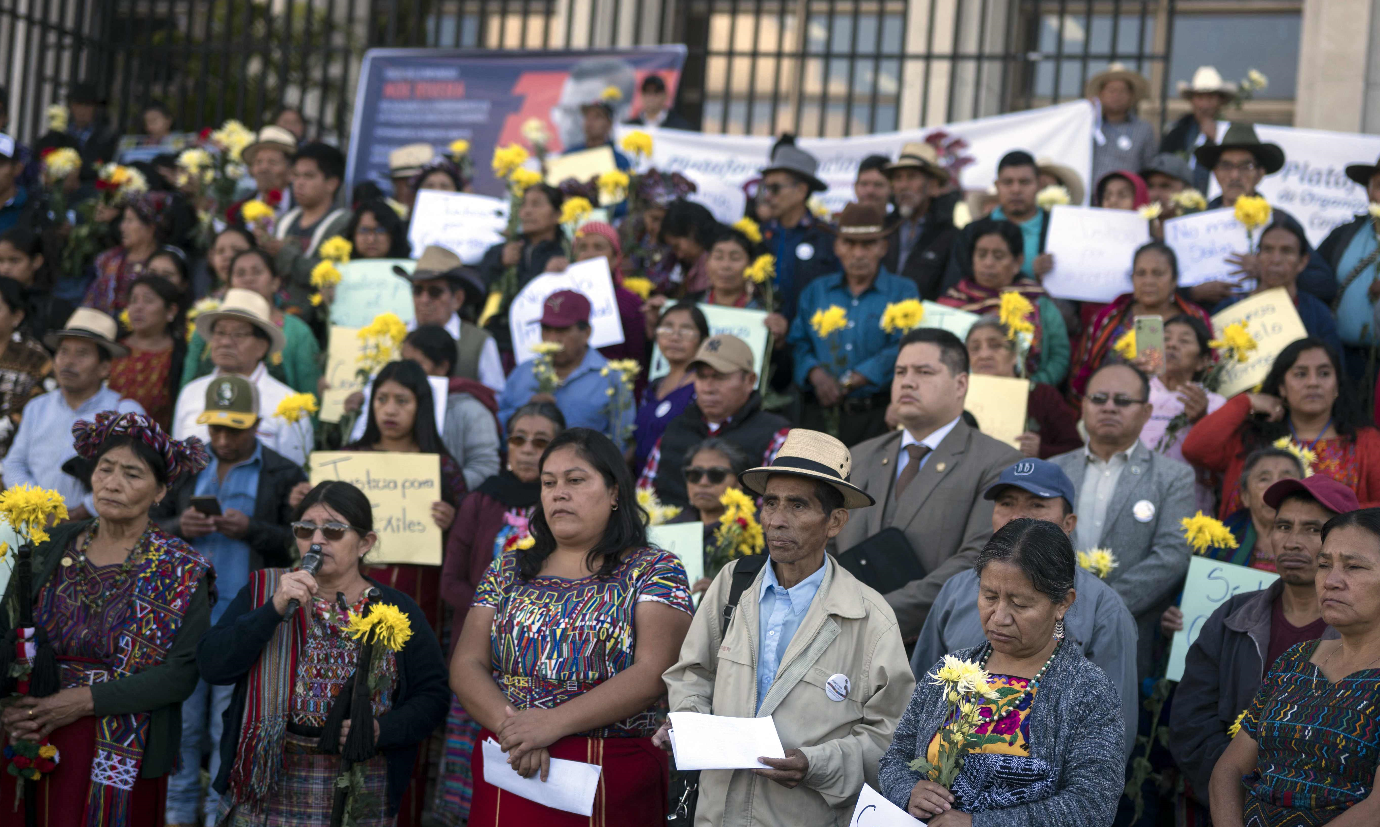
[91, 325]
[1242, 136]
[247, 306]
[406, 161]
[1207, 80]
[815, 456]
[1140, 87]
[1066, 175]
[274, 137]
[922, 156]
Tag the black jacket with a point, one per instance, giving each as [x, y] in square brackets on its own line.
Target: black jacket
[961, 254]
[930, 256]
[229, 651]
[269, 537]
[751, 429]
[1318, 277]
[673, 120]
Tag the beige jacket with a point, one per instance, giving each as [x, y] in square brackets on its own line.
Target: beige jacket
[848, 630]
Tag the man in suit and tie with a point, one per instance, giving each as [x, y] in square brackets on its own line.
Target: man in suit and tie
[929, 478]
[1130, 500]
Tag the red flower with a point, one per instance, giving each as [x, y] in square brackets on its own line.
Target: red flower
[22, 761]
[205, 134]
[45, 153]
[742, 521]
[46, 765]
[275, 197]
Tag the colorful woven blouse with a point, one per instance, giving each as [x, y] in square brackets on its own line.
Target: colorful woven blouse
[26, 371]
[327, 660]
[143, 377]
[1318, 741]
[1015, 723]
[555, 639]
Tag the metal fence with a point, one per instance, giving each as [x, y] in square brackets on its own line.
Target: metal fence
[814, 67]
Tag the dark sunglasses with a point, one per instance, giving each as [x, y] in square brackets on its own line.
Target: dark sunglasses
[434, 291]
[538, 442]
[1121, 400]
[332, 531]
[716, 475]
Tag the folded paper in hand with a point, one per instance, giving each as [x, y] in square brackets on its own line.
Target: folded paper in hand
[712, 742]
[874, 810]
[569, 786]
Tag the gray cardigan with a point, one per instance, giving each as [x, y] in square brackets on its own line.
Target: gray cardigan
[1075, 726]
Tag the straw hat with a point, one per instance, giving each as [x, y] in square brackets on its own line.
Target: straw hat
[274, 137]
[1207, 80]
[922, 156]
[407, 161]
[813, 455]
[1140, 87]
[247, 306]
[1066, 175]
[91, 325]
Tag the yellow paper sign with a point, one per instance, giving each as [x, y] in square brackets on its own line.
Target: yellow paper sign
[1271, 318]
[342, 355]
[998, 404]
[583, 166]
[401, 488]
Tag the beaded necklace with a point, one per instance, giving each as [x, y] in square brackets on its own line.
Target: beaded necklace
[135, 556]
[1034, 684]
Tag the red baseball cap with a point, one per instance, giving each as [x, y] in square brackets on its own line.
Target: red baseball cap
[1330, 494]
[565, 308]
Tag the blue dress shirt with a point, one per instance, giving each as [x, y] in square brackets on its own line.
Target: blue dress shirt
[780, 611]
[231, 557]
[863, 347]
[583, 397]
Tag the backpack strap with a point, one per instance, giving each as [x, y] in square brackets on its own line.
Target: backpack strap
[743, 576]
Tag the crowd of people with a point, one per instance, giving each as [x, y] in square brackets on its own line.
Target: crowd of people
[978, 628]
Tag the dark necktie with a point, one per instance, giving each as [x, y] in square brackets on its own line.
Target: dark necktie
[917, 452]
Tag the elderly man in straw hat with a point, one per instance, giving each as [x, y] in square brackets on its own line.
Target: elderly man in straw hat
[1207, 94]
[919, 250]
[794, 636]
[269, 159]
[43, 443]
[1120, 140]
[242, 336]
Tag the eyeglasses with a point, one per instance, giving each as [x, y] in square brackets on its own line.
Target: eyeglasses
[1121, 400]
[677, 332]
[332, 531]
[1244, 166]
[433, 291]
[538, 442]
[715, 475]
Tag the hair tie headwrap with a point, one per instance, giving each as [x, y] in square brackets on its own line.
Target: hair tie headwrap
[181, 457]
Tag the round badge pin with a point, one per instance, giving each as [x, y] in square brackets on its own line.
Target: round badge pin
[1144, 511]
[1123, 143]
[837, 687]
[663, 409]
[805, 251]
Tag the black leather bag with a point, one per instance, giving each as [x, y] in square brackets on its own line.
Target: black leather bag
[885, 561]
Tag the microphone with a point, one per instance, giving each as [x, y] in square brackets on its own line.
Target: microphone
[311, 564]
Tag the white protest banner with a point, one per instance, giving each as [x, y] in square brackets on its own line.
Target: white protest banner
[1313, 186]
[1092, 251]
[721, 164]
[369, 287]
[685, 540]
[465, 224]
[589, 277]
[874, 810]
[748, 325]
[956, 321]
[1271, 318]
[1202, 241]
[401, 488]
[1209, 584]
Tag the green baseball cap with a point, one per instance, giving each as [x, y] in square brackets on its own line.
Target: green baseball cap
[232, 401]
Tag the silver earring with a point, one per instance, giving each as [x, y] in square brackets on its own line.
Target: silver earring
[1059, 629]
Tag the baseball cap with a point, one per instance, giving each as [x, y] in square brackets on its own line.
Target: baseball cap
[725, 353]
[232, 401]
[6, 146]
[1040, 477]
[564, 308]
[1330, 494]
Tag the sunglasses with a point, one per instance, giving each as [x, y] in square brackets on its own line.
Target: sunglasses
[332, 531]
[1121, 400]
[715, 475]
[538, 442]
[435, 292]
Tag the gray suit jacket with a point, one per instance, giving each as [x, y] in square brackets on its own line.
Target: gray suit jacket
[1152, 555]
[942, 512]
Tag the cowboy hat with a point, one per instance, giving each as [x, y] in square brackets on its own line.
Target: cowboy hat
[791, 158]
[437, 262]
[1207, 80]
[1066, 175]
[1242, 136]
[922, 156]
[274, 137]
[247, 306]
[1140, 87]
[860, 222]
[815, 456]
[1362, 173]
[92, 325]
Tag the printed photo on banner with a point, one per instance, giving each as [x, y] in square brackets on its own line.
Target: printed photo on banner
[1092, 251]
[402, 489]
[998, 403]
[369, 287]
[1202, 241]
[1271, 318]
[748, 325]
[1210, 583]
[465, 224]
[592, 278]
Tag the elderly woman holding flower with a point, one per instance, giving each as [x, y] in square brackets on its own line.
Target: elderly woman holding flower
[118, 608]
[290, 645]
[1022, 730]
[1051, 425]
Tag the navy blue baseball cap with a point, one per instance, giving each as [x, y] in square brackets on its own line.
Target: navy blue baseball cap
[1040, 477]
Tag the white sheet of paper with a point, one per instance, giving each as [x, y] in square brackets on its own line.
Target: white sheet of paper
[873, 810]
[463, 223]
[686, 541]
[590, 277]
[1202, 241]
[714, 742]
[570, 786]
[1092, 251]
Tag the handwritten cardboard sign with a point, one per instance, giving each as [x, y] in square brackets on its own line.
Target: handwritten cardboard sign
[686, 541]
[1271, 318]
[465, 224]
[343, 350]
[369, 287]
[1202, 241]
[998, 403]
[592, 278]
[956, 321]
[1092, 251]
[748, 325]
[401, 488]
[1209, 584]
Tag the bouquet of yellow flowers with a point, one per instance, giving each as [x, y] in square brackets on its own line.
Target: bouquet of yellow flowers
[903, 316]
[761, 272]
[1099, 561]
[1203, 532]
[738, 535]
[967, 687]
[542, 368]
[657, 513]
[620, 394]
[1252, 211]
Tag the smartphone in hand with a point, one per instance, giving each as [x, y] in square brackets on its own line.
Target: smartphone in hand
[210, 506]
[1150, 344]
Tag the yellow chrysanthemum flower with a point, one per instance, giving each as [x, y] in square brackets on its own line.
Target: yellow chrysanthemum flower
[57, 117]
[233, 137]
[749, 228]
[962, 677]
[1126, 345]
[1151, 211]
[574, 209]
[1189, 200]
[1257, 79]
[336, 248]
[613, 185]
[1204, 532]
[124, 320]
[899, 317]
[1015, 313]
[194, 160]
[1236, 725]
[325, 273]
[61, 163]
[295, 406]
[522, 180]
[1252, 211]
[638, 143]
[535, 131]
[385, 625]
[636, 284]
[611, 94]
[546, 348]
[1236, 342]
[459, 146]
[1052, 196]
[826, 322]
[737, 503]
[27, 508]
[1099, 561]
[317, 299]
[761, 270]
[657, 513]
[255, 210]
[508, 159]
[1306, 455]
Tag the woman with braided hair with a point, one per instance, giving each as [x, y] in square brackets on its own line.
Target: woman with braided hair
[121, 606]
